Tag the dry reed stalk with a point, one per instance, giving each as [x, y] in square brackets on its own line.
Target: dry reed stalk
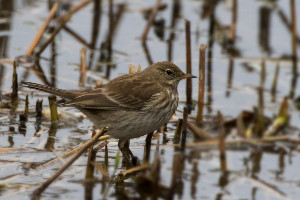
[198, 132]
[178, 130]
[232, 31]
[201, 88]
[125, 174]
[42, 29]
[63, 20]
[89, 173]
[131, 69]
[53, 108]
[82, 78]
[188, 64]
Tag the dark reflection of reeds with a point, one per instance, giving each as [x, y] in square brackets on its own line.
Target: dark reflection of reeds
[274, 83]
[255, 158]
[195, 177]
[6, 9]
[184, 128]
[264, 29]
[97, 11]
[22, 124]
[38, 111]
[231, 46]
[106, 50]
[209, 61]
[176, 9]
[294, 48]
[15, 88]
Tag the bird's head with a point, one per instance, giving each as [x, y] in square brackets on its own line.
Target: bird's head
[167, 72]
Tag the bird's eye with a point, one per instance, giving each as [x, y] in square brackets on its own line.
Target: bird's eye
[169, 72]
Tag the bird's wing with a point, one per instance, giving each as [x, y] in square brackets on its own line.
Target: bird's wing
[119, 94]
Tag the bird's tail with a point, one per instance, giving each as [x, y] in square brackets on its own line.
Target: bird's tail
[51, 90]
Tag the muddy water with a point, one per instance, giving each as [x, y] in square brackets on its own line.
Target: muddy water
[253, 174]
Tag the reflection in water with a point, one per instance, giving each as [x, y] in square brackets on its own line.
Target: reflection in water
[88, 190]
[281, 162]
[147, 53]
[253, 193]
[195, 178]
[255, 157]
[22, 124]
[95, 29]
[264, 29]
[6, 8]
[209, 61]
[294, 49]
[176, 9]
[10, 141]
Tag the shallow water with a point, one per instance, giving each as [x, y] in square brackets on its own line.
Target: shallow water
[248, 168]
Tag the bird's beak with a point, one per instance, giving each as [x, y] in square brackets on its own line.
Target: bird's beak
[187, 76]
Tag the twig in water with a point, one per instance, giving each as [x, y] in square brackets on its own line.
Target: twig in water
[63, 20]
[151, 19]
[69, 153]
[42, 29]
[36, 193]
[198, 132]
[125, 174]
[76, 36]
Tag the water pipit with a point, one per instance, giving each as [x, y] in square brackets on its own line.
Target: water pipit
[131, 105]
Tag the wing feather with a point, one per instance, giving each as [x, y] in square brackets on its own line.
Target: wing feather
[123, 93]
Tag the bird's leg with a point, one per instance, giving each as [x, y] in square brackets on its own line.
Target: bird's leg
[123, 149]
[134, 159]
[126, 145]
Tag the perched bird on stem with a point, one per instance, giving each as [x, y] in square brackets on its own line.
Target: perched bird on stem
[131, 105]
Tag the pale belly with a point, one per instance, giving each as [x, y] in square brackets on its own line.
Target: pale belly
[125, 125]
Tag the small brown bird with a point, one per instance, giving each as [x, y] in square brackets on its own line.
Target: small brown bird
[131, 105]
